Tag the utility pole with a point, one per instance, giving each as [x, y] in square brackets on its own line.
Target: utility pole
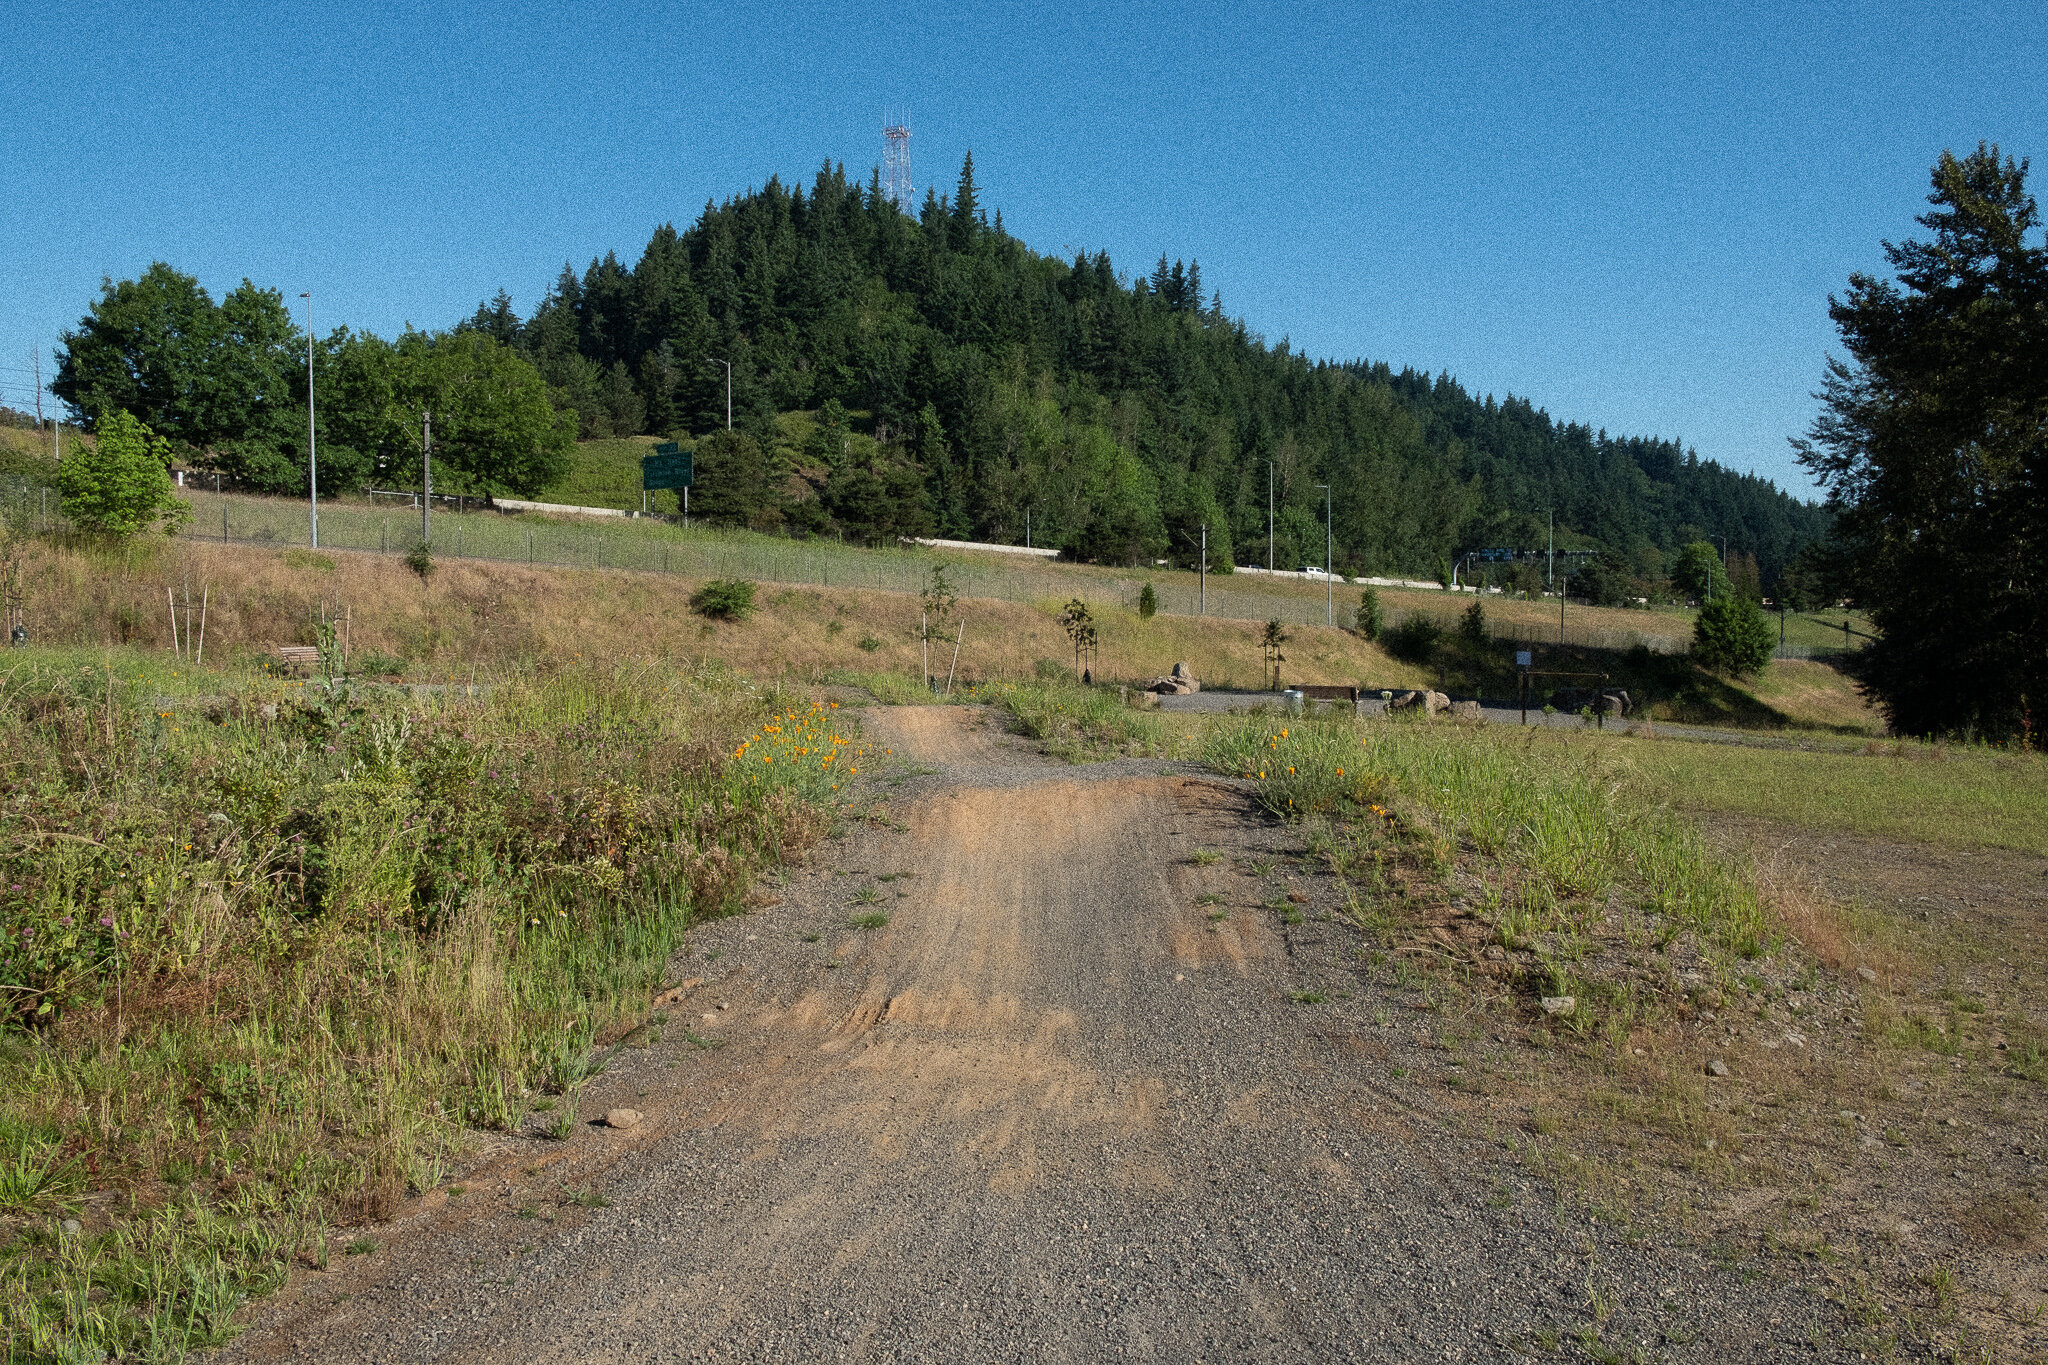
[312, 458]
[1205, 570]
[426, 475]
[1269, 516]
[1550, 569]
[38, 356]
[714, 360]
[1329, 582]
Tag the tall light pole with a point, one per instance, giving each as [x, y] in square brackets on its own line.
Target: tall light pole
[1269, 516]
[714, 360]
[1329, 581]
[312, 457]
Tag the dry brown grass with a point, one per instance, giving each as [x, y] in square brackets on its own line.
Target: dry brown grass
[473, 613]
[1814, 694]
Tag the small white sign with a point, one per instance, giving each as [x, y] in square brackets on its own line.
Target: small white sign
[1524, 658]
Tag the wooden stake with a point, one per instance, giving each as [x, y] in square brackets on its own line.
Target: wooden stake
[956, 657]
[205, 596]
[172, 598]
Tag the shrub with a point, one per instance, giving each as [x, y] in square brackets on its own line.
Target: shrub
[1414, 639]
[1370, 620]
[1473, 625]
[120, 484]
[724, 599]
[1732, 635]
[1148, 603]
[420, 560]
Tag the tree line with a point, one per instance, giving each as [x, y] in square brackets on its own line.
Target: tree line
[897, 374]
[224, 384]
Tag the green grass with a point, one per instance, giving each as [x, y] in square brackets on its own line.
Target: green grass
[260, 974]
[1954, 797]
[607, 474]
[1557, 827]
[873, 919]
[1078, 724]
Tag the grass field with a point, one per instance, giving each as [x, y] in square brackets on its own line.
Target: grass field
[473, 613]
[656, 545]
[336, 969]
[1952, 796]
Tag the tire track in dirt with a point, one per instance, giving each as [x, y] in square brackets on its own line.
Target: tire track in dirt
[1050, 1111]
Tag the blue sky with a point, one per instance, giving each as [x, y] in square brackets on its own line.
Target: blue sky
[1631, 214]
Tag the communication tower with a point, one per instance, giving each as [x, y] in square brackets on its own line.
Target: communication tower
[896, 165]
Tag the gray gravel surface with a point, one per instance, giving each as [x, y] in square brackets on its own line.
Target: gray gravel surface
[1063, 1106]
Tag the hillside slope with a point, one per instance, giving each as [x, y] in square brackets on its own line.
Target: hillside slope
[948, 378]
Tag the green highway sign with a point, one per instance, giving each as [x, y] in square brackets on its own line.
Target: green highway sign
[670, 466]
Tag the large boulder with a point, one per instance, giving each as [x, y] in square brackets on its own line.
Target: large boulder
[1180, 682]
[1468, 711]
[1429, 703]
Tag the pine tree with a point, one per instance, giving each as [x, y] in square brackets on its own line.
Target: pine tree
[966, 203]
[1931, 446]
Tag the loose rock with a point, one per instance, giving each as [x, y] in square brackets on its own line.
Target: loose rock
[1867, 975]
[1717, 1067]
[621, 1118]
[1559, 1006]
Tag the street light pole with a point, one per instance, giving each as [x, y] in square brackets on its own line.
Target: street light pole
[1269, 516]
[1329, 583]
[714, 360]
[312, 457]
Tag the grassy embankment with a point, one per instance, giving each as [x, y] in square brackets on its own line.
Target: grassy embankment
[857, 610]
[472, 614]
[1881, 1054]
[269, 948]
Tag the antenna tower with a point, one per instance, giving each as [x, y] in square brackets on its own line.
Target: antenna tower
[896, 166]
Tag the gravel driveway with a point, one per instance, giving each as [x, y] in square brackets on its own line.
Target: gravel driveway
[1063, 1106]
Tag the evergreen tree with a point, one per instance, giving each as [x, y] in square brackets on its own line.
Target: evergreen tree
[1732, 635]
[966, 205]
[1931, 445]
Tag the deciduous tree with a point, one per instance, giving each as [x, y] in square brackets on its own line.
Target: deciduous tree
[119, 484]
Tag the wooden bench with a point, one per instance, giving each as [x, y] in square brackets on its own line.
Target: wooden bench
[298, 658]
[1326, 692]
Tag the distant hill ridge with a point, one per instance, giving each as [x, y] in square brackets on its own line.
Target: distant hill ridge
[931, 375]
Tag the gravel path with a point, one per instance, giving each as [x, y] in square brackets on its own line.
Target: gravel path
[1060, 1107]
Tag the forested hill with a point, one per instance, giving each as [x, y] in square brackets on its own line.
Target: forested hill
[897, 373]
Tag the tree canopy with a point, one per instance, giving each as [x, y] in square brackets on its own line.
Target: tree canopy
[225, 385]
[1933, 446]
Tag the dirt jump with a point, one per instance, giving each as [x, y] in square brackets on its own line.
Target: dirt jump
[1027, 1068]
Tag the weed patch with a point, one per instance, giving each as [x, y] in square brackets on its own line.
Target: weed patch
[269, 947]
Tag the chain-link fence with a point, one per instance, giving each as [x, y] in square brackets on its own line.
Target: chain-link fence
[657, 545]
